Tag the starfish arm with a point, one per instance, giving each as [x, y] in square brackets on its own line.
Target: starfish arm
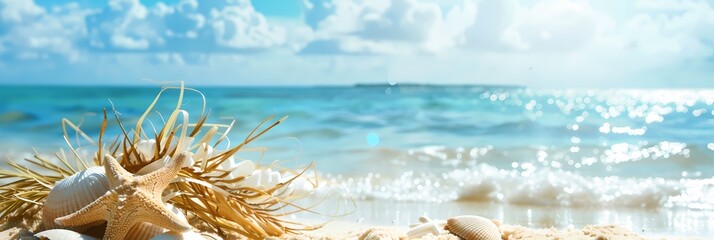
[158, 180]
[114, 171]
[159, 215]
[119, 225]
[94, 212]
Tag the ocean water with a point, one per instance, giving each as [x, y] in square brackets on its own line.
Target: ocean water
[639, 158]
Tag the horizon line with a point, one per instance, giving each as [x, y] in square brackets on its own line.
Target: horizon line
[353, 85]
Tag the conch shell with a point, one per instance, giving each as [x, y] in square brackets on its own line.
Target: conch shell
[73, 193]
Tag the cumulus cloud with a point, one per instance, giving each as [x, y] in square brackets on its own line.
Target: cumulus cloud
[384, 26]
[30, 32]
[493, 41]
[188, 26]
[681, 29]
[555, 25]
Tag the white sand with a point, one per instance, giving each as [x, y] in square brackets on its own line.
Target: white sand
[14, 228]
[345, 230]
[351, 230]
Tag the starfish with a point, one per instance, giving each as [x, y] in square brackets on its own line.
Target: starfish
[131, 200]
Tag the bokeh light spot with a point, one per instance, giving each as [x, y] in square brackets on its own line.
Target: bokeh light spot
[372, 139]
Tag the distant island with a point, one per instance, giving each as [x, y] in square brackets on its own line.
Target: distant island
[381, 85]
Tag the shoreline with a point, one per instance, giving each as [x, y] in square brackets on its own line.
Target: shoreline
[656, 222]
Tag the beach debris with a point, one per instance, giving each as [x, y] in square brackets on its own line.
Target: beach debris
[130, 200]
[472, 227]
[63, 234]
[427, 226]
[73, 193]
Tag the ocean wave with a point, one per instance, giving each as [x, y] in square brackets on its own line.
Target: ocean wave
[544, 187]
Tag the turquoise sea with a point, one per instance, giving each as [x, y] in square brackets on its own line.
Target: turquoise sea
[537, 157]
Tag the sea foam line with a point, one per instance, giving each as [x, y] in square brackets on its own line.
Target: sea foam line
[544, 187]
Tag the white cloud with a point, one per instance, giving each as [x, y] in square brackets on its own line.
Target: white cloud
[554, 26]
[385, 27]
[188, 26]
[685, 31]
[492, 20]
[19, 11]
[29, 32]
[550, 43]
[241, 27]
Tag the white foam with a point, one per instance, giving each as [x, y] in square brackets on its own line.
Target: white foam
[543, 187]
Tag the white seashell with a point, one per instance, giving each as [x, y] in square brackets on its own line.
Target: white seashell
[203, 152]
[473, 228]
[300, 186]
[426, 227]
[63, 234]
[188, 235]
[146, 148]
[261, 179]
[154, 166]
[185, 144]
[145, 231]
[73, 193]
[270, 179]
[242, 169]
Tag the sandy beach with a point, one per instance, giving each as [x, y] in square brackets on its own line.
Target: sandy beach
[352, 230]
[355, 226]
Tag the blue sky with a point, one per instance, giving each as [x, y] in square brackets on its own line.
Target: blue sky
[548, 43]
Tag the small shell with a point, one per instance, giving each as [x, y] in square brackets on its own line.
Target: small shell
[203, 153]
[73, 193]
[63, 234]
[262, 179]
[145, 231]
[188, 235]
[427, 226]
[242, 169]
[473, 228]
[146, 148]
